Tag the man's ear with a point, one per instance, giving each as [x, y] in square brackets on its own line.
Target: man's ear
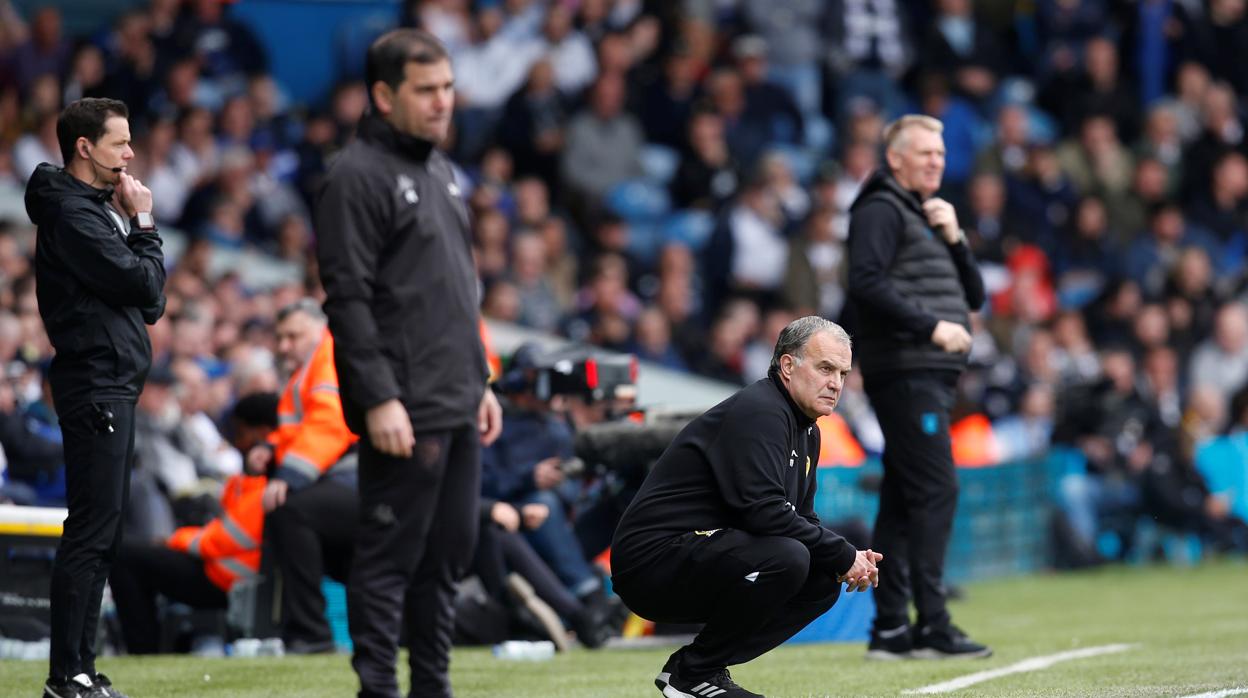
[894, 159]
[383, 97]
[80, 147]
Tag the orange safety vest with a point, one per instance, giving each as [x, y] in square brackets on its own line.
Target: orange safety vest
[312, 435]
[491, 359]
[837, 445]
[974, 444]
[230, 543]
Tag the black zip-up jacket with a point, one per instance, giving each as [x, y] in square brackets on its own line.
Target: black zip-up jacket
[905, 278]
[748, 463]
[96, 289]
[395, 257]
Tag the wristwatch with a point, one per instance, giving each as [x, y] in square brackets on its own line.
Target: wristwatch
[146, 222]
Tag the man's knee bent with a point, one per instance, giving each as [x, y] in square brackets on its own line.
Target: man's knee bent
[789, 562]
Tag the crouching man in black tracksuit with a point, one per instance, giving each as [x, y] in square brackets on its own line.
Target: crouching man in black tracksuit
[724, 532]
[99, 275]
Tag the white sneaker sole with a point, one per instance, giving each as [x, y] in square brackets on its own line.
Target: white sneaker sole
[929, 653]
[886, 656]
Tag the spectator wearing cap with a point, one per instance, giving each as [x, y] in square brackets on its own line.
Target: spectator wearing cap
[523, 467]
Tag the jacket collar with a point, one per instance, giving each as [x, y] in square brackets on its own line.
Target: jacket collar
[883, 180]
[798, 414]
[374, 129]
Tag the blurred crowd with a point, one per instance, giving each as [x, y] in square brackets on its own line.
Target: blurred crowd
[674, 179]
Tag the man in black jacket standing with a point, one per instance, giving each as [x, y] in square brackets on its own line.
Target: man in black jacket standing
[395, 257]
[724, 530]
[99, 276]
[915, 281]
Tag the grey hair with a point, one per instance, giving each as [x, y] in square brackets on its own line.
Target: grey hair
[797, 334]
[305, 305]
[897, 133]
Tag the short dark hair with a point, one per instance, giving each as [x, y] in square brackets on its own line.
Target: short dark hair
[391, 52]
[257, 410]
[85, 118]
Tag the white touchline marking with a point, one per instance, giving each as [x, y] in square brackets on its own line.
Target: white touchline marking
[1221, 694]
[1032, 664]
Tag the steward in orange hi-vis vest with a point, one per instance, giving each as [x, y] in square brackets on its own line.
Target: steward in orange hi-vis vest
[229, 544]
[312, 435]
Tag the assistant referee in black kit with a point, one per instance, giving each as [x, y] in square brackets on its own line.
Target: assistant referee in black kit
[724, 532]
[99, 276]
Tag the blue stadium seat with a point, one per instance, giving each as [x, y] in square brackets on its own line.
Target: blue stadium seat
[659, 162]
[691, 228]
[1221, 462]
[336, 612]
[639, 201]
[801, 161]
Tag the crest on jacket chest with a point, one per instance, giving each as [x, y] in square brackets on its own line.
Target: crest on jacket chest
[406, 188]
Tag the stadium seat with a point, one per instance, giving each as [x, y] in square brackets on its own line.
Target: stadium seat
[638, 201]
[801, 161]
[691, 228]
[659, 162]
[1221, 462]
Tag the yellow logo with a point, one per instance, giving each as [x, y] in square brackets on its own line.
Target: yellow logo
[808, 465]
[708, 534]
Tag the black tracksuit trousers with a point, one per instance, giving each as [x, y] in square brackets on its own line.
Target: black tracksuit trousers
[144, 572]
[918, 495]
[310, 536]
[752, 593]
[417, 531]
[99, 452]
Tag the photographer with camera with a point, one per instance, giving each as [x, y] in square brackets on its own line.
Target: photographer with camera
[525, 467]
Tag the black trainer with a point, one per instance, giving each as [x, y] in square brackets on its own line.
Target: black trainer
[946, 643]
[891, 645]
[102, 684]
[718, 685]
[78, 687]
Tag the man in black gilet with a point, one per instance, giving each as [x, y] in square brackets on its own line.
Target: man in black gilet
[915, 281]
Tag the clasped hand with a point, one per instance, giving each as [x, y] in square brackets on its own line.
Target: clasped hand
[865, 573]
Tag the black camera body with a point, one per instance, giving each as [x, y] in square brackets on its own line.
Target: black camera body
[579, 372]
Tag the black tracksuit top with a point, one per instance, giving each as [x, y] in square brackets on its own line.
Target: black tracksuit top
[749, 463]
[395, 255]
[96, 289]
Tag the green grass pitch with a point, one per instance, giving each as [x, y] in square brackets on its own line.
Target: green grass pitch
[1189, 628]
